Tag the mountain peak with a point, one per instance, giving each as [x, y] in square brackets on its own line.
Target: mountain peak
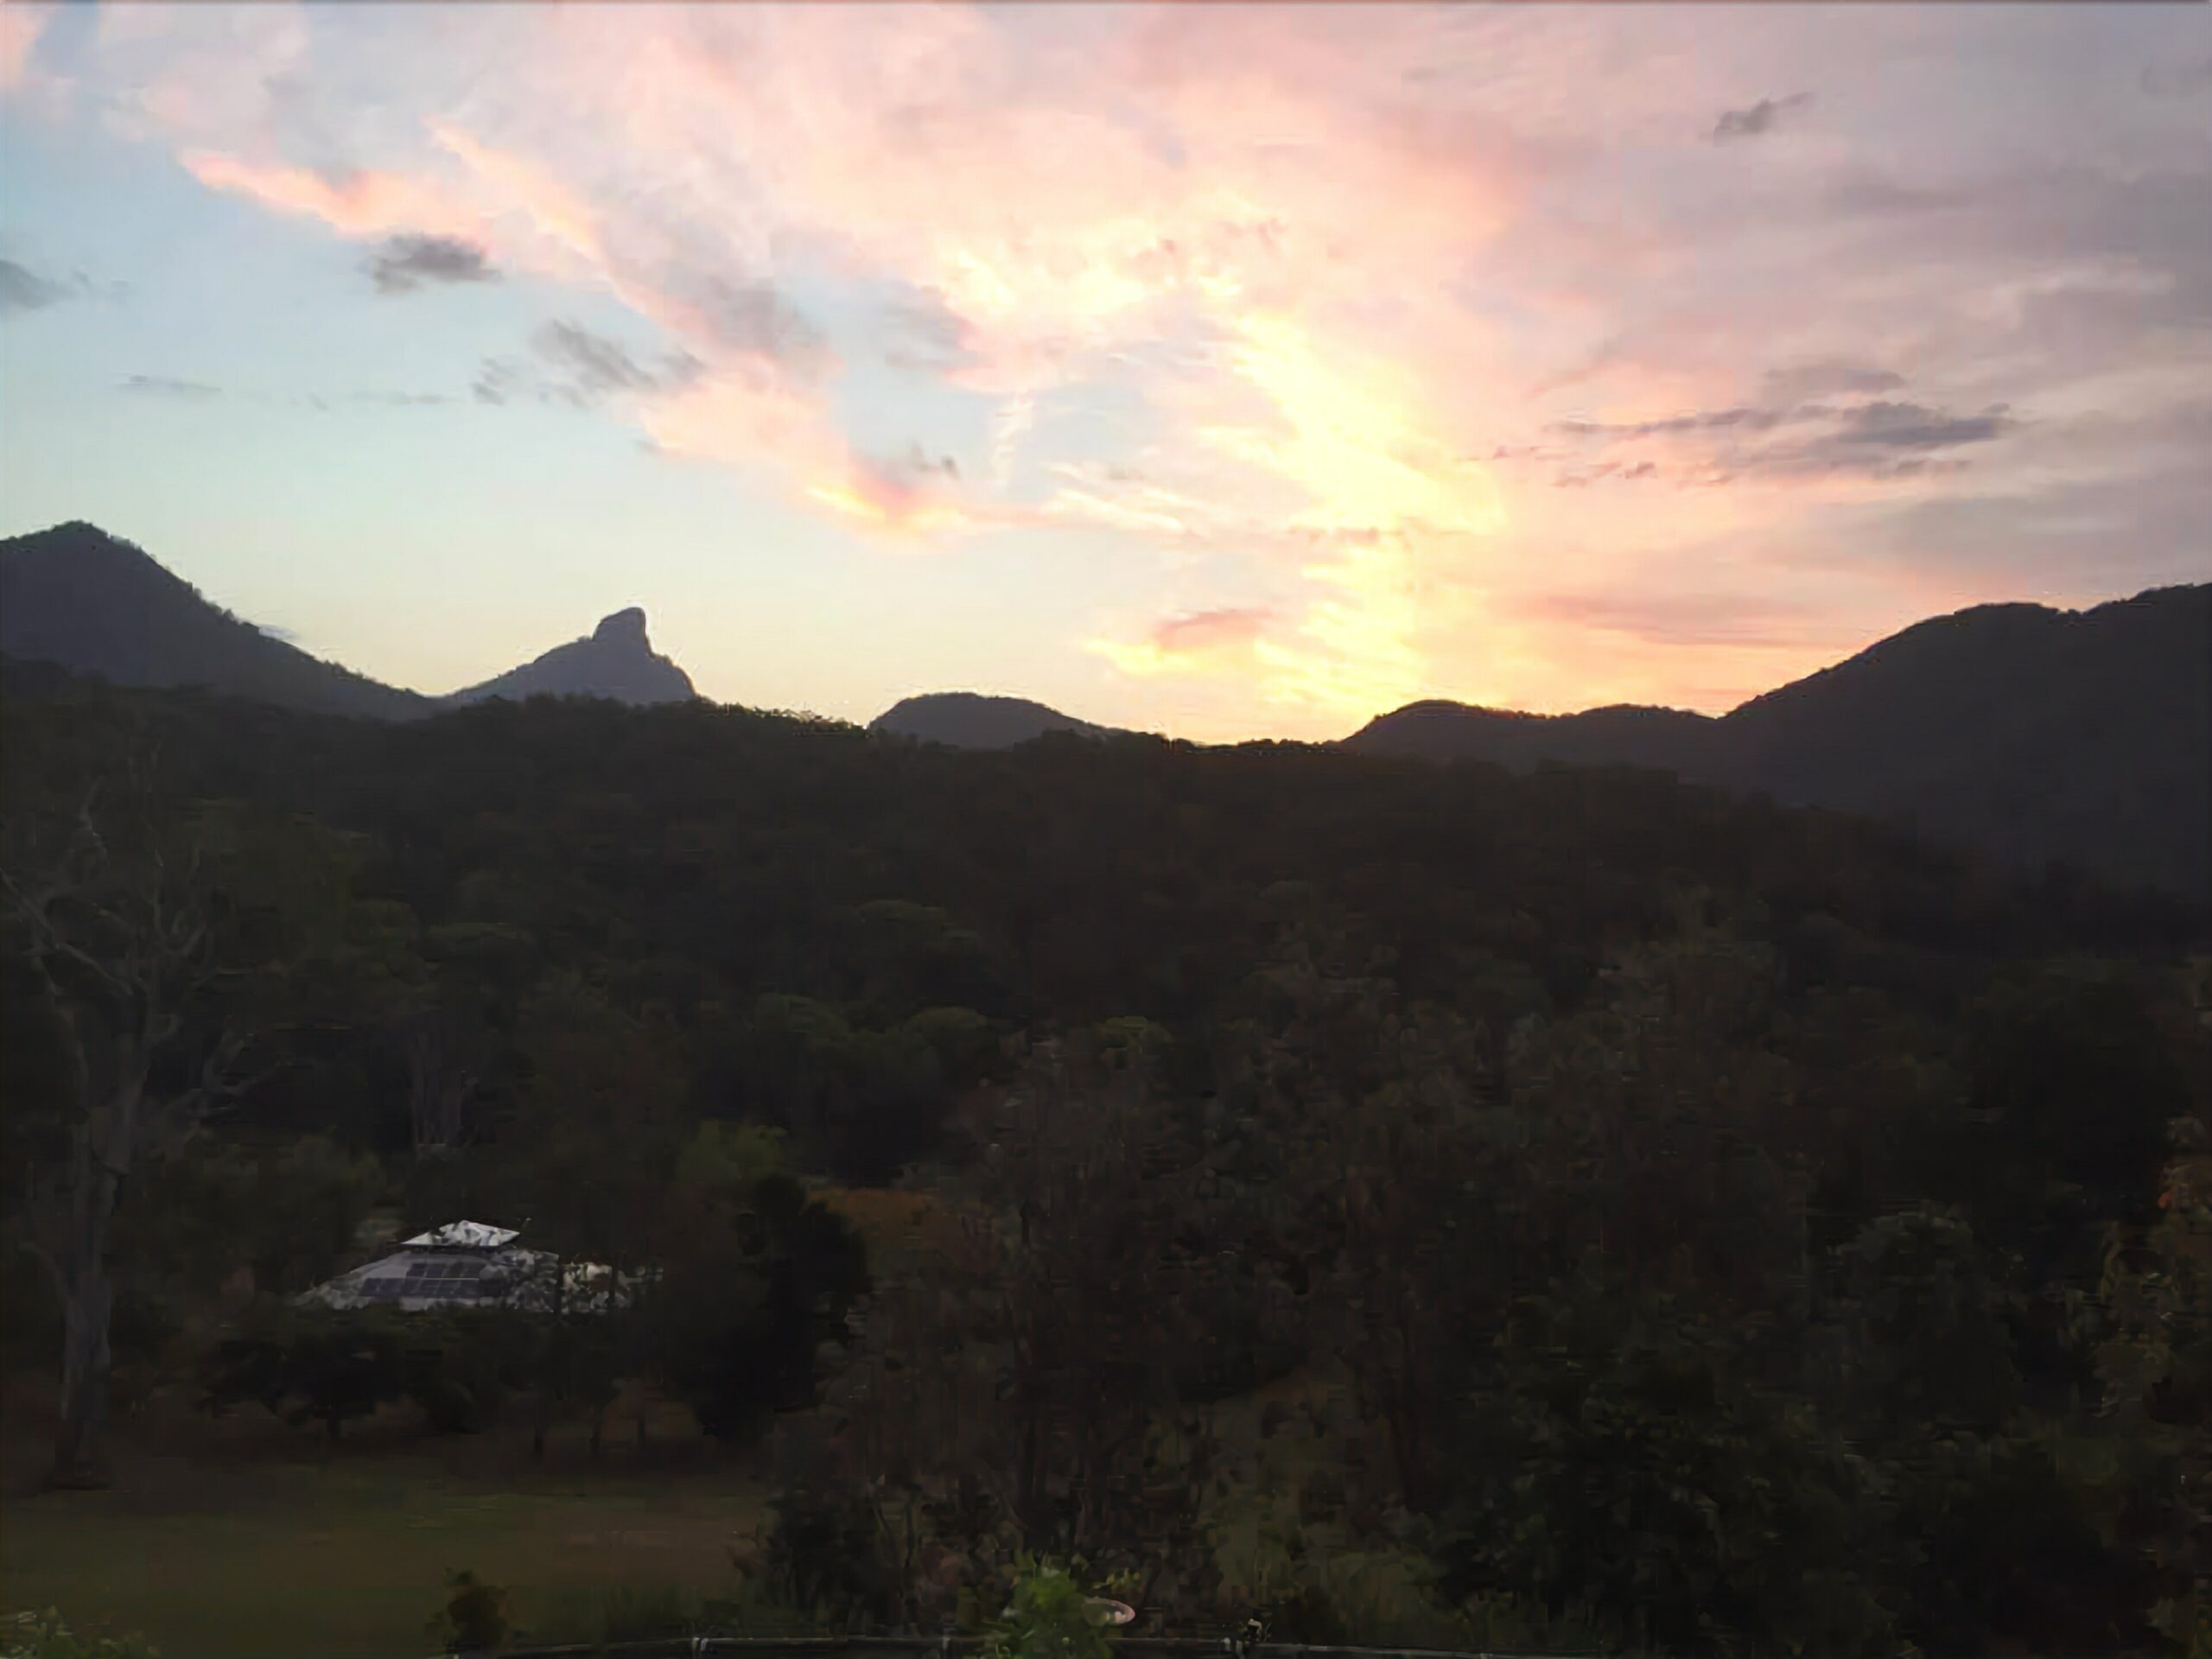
[96, 604]
[615, 660]
[974, 720]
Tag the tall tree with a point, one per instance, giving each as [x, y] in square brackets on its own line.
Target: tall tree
[114, 920]
[1098, 1188]
[2156, 1366]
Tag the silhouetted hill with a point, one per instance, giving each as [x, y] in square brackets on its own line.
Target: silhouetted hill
[2037, 733]
[77, 596]
[95, 604]
[615, 660]
[1670, 739]
[968, 719]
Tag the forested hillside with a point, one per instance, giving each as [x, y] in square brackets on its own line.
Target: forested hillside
[2026, 732]
[77, 596]
[2020, 731]
[968, 719]
[1427, 1204]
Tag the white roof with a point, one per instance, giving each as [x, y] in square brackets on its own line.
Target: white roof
[471, 1264]
[466, 1234]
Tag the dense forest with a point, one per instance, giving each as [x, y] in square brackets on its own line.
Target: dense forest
[1420, 1204]
[2031, 734]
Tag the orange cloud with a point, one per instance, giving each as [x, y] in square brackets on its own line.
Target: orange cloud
[1198, 630]
[1217, 642]
[900, 512]
[1299, 299]
[361, 203]
[1057, 230]
[1395, 507]
[743, 419]
[519, 186]
[1356, 441]
[908, 498]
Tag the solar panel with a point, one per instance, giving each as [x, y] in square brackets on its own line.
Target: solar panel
[446, 1290]
[436, 1273]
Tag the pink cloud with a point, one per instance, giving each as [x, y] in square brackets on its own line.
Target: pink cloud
[1347, 269]
[362, 203]
[20, 27]
[1198, 630]
[521, 186]
[1696, 617]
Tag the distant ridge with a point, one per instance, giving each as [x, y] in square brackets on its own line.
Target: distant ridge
[614, 660]
[96, 604]
[91, 603]
[971, 720]
[1624, 735]
[2037, 733]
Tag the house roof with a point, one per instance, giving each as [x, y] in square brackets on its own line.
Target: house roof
[471, 1264]
[465, 1234]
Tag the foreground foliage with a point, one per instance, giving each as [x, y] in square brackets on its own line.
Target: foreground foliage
[44, 1635]
[1430, 1206]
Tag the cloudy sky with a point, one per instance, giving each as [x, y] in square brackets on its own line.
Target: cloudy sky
[1227, 371]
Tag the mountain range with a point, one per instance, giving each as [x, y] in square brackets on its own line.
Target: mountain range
[96, 604]
[2036, 733]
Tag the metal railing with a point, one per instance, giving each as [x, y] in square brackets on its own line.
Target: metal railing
[966, 1647]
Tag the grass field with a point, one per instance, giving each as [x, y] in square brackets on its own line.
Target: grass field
[248, 1541]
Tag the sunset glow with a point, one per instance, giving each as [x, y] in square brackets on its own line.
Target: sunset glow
[1222, 370]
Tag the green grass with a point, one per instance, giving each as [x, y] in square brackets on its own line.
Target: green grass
[341, 1554]
[246, 1538]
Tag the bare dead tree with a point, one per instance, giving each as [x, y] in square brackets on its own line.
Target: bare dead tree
[119, 933]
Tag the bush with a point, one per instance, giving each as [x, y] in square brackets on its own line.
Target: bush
[1308, 1617]
[43, 1635]
[824, 1555]
[309, 1367]
[1049, 1616]
[1619, 1469]
[475, 1619]
[462, 1366]
[762, 1282]
[332, 1366]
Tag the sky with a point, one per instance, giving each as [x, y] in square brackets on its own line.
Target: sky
[1226, 371]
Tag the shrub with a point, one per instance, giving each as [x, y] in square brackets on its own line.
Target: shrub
[43, 1635]
[1049, 1616]
[309, 1366]
[475, 1619]
[824, 1554]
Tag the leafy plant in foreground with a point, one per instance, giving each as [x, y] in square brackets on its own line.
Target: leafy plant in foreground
[476, 1617]
[1049, 1615]
[43, 1635]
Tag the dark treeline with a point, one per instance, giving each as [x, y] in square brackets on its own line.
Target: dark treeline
[1426, 1203]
